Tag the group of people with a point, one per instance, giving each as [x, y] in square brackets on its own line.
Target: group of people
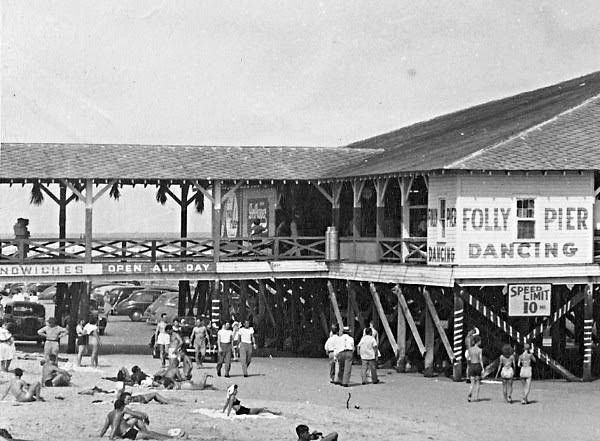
[233, 340]
[340, 350]
[507, 365]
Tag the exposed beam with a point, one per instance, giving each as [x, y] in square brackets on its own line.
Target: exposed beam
[336, 192]
[103, 190]
[380, 188]
[231, 191]
[204, 191]
[409, 318]
[173, 196]
[74, 189]
[324, 192]
[383, 317]
[334, 303]
[438, 323]
[49, 193]
[357, 189]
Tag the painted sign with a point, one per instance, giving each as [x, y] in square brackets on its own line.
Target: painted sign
[231, 217]
[258, 209]
[441, 254]
[529, 300]
[42, 270]
[158, 268]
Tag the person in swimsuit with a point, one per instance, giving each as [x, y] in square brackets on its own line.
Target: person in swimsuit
[136, 427]
[233, 403]
[200, 340]
[304, 434]
[82, 340]
[506, 369]
[52, 375]
[127, 397]
[525, 360]
[174, 347]
[52, 333]
[475, 367]
[91, 329]
[161, 338]
[23, 392]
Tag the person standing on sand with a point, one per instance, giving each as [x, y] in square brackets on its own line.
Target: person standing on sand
[82, 340]
[525, 360]
[23, 392]
[52, 333]
[506, 369]
[161, 338]
[224, 338]
[247, 344]
[345, 354]
[330, 350]
[367, 350]
[475, 367]
[7, 347]
[200, 340]
[91, 329]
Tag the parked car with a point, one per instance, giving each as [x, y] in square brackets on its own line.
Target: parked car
[99, 291]
[48, 294]
[117, 295]
[135, 305]
[167, 303]
[93, 312]
[24, 319]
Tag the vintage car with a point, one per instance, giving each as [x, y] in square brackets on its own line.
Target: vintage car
[24, 319]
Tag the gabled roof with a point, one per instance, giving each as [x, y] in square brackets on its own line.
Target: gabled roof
[152, 162]
[556, 127]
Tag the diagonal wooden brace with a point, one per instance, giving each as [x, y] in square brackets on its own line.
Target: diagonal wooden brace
[552, 319]
[409, 318]
[438, 324]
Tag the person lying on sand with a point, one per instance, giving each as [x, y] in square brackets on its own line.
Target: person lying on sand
[304, 434]
[143, 398]
[188, 384]
[23, 392]
[136, 427]
[52, 375]
[233, 403]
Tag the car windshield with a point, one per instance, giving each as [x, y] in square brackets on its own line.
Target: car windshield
[28, 310]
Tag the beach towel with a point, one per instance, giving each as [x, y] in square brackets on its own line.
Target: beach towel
[214, 413]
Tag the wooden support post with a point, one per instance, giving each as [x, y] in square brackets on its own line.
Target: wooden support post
[61, 288]
[225, 296]
[351, 288]
[334, 303]
[262, 294]
[405, 185]
[349, 312]
[459, 314]
[244, 315]
[357, 188]
[558, 330]
[409, 318]
[400, 338]
[184, 285]
[438, 323]
[215, 302]
[429, 342]
[89, 204]
[383, 317]
[336, 191]
[216, 220]
[380, 188]
[75, 295]
[588, 324]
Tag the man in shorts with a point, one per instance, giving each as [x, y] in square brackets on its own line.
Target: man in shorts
[52, 375]
[200, 339]
[23, 392]
[175, 343]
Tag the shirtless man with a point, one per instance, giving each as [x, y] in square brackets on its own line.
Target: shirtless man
[121, 428]
[23, 392]
[175, 343]
[52, 375]
[200, 339]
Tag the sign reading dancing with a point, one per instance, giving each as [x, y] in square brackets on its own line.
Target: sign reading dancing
[529, 300]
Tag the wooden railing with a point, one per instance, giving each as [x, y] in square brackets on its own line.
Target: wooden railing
[127, 250]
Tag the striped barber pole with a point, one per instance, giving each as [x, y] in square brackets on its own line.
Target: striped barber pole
[459, 315]
[588, 324]
[215, 311]
[556, 316]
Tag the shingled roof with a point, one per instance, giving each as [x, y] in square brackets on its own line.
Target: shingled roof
[556, 127]
[152, 162]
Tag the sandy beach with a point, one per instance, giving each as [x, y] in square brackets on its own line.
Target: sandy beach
[404, 406]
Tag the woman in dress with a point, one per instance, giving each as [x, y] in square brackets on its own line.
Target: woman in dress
[475, 367]
[91, 329]
[506, 369]
[7, 347]
[82, 340]
[525, 360]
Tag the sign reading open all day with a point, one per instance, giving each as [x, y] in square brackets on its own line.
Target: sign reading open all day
[529, 300]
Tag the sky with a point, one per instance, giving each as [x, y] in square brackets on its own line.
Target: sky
[263, 73]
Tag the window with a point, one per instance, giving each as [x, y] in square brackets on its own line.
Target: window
[525, 219]
[442, 218]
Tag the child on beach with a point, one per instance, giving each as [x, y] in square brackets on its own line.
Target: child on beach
[525, 360]
[506, 369]
[475, 367]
